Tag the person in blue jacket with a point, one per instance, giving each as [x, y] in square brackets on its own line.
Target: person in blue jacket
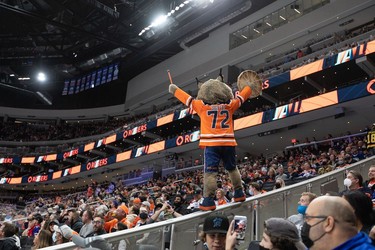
[330, 223]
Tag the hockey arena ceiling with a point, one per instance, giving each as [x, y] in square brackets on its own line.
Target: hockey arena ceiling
[72, 36]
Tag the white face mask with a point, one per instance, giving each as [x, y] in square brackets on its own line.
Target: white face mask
[347, 182]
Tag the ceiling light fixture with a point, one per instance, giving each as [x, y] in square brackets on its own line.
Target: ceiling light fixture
[41, 77]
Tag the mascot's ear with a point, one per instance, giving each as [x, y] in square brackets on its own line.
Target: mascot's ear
[172, 88]
[199, 84]
[220, 78]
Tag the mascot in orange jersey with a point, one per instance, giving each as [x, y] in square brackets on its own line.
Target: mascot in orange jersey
[215, 105]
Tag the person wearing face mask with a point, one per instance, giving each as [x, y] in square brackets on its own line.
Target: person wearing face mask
[255, 189]
[304, 201]
[280, 234]
[354, 181]
[279, 183]
[324, 167]
[330, 223]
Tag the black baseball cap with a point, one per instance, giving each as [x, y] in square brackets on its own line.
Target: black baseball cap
[197, 191]
[216, 224]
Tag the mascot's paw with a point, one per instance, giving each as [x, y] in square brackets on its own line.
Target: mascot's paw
[207, 204]
[172, 88]
[252, 79]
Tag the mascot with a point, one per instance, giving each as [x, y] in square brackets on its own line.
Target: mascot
[215, 105]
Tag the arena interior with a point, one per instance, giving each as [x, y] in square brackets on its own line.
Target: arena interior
[87, 122]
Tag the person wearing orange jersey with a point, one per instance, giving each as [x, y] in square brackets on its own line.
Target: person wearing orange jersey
[119, 216]
[216, 133]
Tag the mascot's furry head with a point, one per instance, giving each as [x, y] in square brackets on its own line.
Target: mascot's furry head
[214, 91]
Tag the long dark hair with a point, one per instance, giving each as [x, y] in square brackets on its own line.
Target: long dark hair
[362, 205]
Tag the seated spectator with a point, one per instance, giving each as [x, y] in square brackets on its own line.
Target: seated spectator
[34, 225]
[279, 183]
[293, 172]
[7, 241]
[197, 198]
[88, 226]
[281, 174]
[255, 189]
[43, 239]
[98, 226]
[58, 238]
[65, 231]
[307, 171]
[330, 223]
[325, 167]
[280, 234]
[143, 217]
[220, 197]
[362, 206]
[271, 174]
[354, 181]
[75, 221]
[179, 205]
[370, 183]
[304, 201]
[118, 215]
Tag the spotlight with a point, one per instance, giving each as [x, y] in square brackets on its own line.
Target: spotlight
[159, 20]
[41, 77]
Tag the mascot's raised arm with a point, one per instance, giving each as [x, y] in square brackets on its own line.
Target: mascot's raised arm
[215, 105]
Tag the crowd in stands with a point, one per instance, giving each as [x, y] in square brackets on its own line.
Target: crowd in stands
[107, 207]
[306, 52]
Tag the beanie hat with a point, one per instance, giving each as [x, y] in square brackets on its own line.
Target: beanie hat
[283, 228]
[65, 231]
[124, 208]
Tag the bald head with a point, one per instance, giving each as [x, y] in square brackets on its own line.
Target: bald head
[334, 206]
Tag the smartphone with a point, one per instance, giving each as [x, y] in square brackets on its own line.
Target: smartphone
[240, 225]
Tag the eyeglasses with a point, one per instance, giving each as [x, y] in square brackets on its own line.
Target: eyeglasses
[97, 222]
[308, 217]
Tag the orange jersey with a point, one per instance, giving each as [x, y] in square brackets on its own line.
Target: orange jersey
[216, 120]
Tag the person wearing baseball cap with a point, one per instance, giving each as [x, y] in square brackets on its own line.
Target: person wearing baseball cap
[214, 232]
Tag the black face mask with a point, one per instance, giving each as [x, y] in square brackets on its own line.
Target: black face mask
[305, 234]
[143, 216]
[263, 248]
[278, 185]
